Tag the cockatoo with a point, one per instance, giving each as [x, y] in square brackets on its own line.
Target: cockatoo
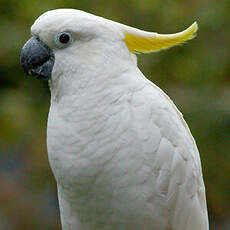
[121, 153]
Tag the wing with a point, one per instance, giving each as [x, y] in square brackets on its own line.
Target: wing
[179, 192]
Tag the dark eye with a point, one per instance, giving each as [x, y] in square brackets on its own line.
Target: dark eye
[63, 39]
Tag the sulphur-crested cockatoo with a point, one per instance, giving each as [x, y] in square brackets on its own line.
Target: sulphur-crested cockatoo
[121, 153]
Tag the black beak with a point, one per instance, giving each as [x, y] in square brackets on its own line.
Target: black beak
[37, 59]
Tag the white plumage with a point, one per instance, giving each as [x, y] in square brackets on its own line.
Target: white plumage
[122, 155]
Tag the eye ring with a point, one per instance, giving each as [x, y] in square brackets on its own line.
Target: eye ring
[63, 39]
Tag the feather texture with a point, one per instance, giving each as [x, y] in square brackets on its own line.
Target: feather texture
[145, 42]
[121, 153]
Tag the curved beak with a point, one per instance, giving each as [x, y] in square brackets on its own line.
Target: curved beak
[37, 59]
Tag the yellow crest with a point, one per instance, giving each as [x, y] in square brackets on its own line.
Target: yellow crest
[144, 42]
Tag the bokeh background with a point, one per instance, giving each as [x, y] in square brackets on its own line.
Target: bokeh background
[196, 76]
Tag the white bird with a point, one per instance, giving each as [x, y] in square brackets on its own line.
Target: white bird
[121, 153]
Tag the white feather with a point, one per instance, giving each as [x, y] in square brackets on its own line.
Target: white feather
[121, 152]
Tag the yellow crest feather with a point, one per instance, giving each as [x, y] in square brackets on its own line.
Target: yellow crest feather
[144, 42]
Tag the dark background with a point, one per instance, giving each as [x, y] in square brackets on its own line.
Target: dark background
[196, 76]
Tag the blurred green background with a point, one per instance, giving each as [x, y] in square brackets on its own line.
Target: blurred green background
[196, 76]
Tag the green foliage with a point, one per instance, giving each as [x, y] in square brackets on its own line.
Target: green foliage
[195, 75]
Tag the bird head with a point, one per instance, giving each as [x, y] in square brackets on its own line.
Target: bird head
[68, 40]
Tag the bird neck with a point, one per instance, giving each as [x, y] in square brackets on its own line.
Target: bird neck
[91, 77]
